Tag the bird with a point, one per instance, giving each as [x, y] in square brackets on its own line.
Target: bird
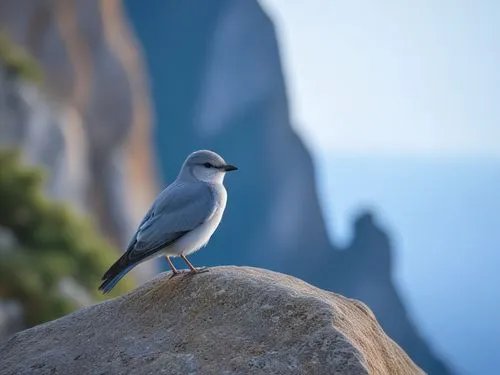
[181, 220]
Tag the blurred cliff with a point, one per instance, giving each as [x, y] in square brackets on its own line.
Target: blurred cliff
[218, 83]
[88, 121]
[50, 255]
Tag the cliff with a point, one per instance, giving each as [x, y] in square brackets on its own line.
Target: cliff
[227, 321]
[89, 121]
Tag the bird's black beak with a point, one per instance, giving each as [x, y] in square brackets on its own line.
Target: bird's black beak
[229, 168]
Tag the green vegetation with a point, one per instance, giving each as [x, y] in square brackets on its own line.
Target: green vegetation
[51, 243]
[19, 62]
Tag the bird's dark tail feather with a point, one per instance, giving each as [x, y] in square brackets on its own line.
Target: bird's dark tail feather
[115, 273]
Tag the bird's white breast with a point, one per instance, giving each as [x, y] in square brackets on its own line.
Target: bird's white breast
[198, 237]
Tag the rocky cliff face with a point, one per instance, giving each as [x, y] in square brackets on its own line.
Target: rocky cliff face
[227, 321]
[89, 123]
[219, 84]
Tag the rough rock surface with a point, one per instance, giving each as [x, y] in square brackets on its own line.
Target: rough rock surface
[230, 320]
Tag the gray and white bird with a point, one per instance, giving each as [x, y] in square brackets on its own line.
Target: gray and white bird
[182, 218]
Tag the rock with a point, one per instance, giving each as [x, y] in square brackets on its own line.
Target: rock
[231, 320]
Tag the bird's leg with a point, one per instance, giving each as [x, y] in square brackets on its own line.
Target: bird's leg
[191, 267]
[172, 267]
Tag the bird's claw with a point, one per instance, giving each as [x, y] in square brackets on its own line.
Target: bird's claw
[177, 273]
[199, 270]
[191, 272]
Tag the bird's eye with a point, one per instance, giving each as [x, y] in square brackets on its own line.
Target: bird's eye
[207, 165]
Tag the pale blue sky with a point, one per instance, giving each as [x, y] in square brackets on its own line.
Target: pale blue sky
[393, 77]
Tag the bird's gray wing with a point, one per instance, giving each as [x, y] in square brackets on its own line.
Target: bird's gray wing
[178, 209]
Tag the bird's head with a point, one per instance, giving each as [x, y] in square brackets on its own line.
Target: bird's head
[207, 166]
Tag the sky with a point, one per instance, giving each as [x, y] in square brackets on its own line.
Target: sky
[399, 103]
[393, 77]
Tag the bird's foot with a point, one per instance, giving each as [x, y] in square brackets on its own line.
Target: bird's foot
[199, 270]
[173, 274]
[176, 273]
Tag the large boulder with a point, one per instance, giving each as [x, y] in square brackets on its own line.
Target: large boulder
[230, 320]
